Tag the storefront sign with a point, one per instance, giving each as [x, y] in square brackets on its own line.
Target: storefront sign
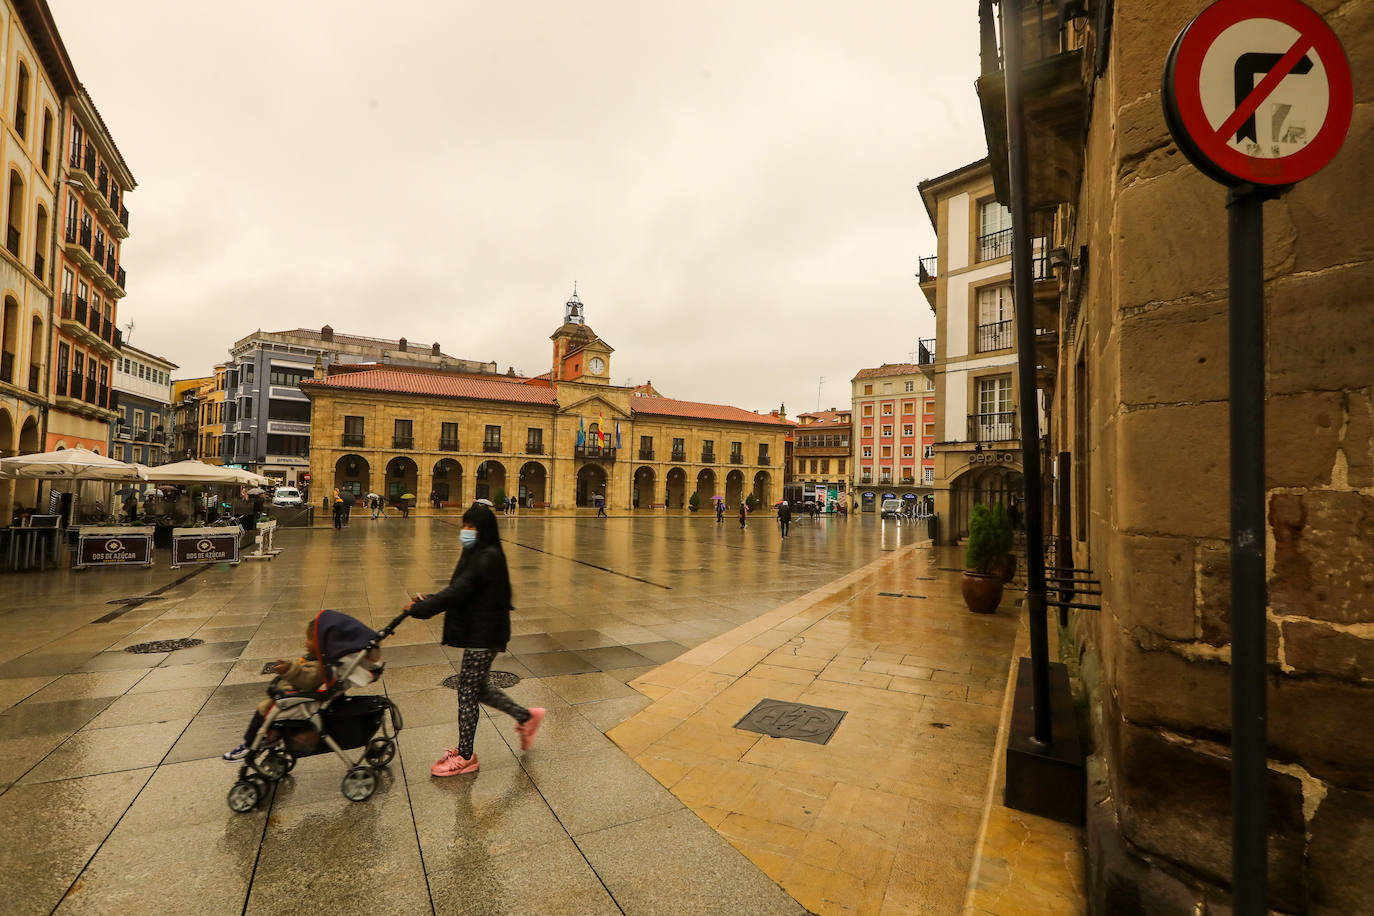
[114, 547]
[205, 545]
[992, 458]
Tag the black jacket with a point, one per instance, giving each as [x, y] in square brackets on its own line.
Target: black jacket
[476, 602]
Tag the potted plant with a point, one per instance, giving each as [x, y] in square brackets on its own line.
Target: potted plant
[693, 502]
[1003, 561]
[752, 502]
[981, 587]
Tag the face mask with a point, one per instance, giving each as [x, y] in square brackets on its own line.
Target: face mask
[468, 537]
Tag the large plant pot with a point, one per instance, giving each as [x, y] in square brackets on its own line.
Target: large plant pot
[982, 593]
[1004, 566]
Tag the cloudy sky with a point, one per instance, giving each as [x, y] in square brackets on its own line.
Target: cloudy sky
[731, 184]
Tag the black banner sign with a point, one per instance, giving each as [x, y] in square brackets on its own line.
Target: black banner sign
[114, 550]
[217, 547]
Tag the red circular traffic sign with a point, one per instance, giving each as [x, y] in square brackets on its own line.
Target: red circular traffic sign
[1258, 92]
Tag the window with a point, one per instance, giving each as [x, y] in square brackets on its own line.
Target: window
[929, 429]
[887, 451]
[868, 410]
[708, 446]
[868, 451]
[534, 440]
[736, 449]
[288, 377]
[907, 451]
[825, 465]
[928, 452]
[679, 449]
[248, 373]
[909, 386]
[887, 432]
[995, 326]
[291, 446]
[929, 475]
[293, 411]
[995, 412]
[14, 232]
[492, 436]
[47, 142]
[841, 462]
[247, 409]
[40, 245]
[21, 102]
[887, 409]
[868, 389]
[908, 430]
[118, 452]
[353, 429]
[646, 447]
[814, 463]
[907, 474]
[868, 432]
[763, 453]
[909, 407]
[887, 387]
[401, 434]
[448, 437]
[994, 231]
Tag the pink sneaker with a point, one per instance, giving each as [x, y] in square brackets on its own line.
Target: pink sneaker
[527, 729]
[451, 764]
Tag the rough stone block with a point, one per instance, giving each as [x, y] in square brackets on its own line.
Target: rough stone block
[1175, 802]
[1302, 433]
[1144, 145]
[1323, 556]
[1161, 687]
[1320, 333]
[1357, 442]
[1178, 355]
[1328, 206]
[1319, 649]
[1214, 593]
[1321, 724]
[1168, 216]
[1141, 36]
[1174, 473]
[1154, 585]
[1341, 854]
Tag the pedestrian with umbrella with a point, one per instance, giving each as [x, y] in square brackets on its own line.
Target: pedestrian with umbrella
[743, 514]
[348, 501]
[784, 517]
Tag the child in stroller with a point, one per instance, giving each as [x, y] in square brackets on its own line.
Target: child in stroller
[312, 713]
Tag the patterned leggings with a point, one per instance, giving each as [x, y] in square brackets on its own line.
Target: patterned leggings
[473, 689]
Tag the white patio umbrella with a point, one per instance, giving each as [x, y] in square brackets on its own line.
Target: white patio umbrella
[200, 472]
[69, 464]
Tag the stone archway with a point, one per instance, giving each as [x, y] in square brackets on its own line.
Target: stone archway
[734, 488]
[989, 486]
[402, 477]
[706, 487]
[491, 481]
[675, 488]
[591, 484]
[353, 473]
[763, 488]
[645, 491]
[533, 492]
[448, 480]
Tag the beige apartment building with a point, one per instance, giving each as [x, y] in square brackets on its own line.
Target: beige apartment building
[977, 445]
[1138, 491]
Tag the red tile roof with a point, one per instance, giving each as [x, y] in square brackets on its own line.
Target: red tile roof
[889, 369]
[394, 381]
[692, 410]
[824, 418]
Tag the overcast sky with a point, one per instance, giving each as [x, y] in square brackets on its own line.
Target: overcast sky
[731, 184]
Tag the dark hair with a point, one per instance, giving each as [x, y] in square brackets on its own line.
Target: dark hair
[484, 521]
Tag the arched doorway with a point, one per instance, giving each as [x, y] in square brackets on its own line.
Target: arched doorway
[533, 482]
[401, 477]
[644, 490]
[734, 488]
[491, 481]
[352, 473]
[448, 481]
[989, 486]
[26, 489]
[675, 488]
[706, 487]
[591, 484]
[763, 488]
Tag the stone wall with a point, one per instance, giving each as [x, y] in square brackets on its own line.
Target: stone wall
[1151, 336]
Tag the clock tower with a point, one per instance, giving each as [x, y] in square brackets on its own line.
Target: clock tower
[578, 354]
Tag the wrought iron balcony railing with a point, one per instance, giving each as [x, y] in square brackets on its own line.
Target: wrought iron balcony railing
[925, 271]
[679, 455]
[925, 351]
[448, 445]
[646, 454]
[605, 452]
[999, 335]
[1002, 426]
[492, 447]
[534, 448]
[994, 245]
[353, 440]
[402, 441]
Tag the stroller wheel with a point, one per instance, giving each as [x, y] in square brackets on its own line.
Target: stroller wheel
[380, 751]
[273, 764]
[244, 796]
[359, 783]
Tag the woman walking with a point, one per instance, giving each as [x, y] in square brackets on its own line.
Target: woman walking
[476, 607]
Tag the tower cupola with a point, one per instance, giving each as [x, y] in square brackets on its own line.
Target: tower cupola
[572, 311]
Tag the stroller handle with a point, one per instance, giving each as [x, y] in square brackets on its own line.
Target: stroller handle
[390, 628]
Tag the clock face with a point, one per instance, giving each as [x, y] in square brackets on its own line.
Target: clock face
[596, 364]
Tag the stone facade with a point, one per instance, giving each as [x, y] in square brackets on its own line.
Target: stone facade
[1139, 416]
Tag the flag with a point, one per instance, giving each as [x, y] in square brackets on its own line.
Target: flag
[601, 428]
[581, 432]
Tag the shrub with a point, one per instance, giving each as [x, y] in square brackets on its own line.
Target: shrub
[989, 537]
[694, 501]
[752, 501]
[499, 498]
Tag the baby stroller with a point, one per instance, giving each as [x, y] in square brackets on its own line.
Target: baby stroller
[301, 724]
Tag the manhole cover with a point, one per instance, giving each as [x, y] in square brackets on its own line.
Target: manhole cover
[494, 678]
[782, 719]
[135, 600]
[163, 645]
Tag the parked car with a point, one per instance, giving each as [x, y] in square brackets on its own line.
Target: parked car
[892, 508]
[286, 496]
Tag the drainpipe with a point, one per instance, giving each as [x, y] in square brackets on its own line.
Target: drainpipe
[1025, 366]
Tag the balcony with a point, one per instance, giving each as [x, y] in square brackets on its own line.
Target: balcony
[994, 245]
[121, 281]
[353, 440]
[736, 458]
[1003, 426]
[493, 448]
[679, 455]
[999, 335]
[7, 367]
[406, 442]
[124, 219]
[534, 448]
[448, 445]
[764, 459]
[140, 434]
[925, 356]
[78, 246]
[646, 454]
[82, 165]
[708, 457]
[603, 452]
[925, 269]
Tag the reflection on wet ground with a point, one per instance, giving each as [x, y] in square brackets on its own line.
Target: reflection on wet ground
[112, 791]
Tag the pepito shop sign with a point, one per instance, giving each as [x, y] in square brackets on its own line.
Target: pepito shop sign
[992, 458]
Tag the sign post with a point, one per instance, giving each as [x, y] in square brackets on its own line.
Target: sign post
[1258, 95]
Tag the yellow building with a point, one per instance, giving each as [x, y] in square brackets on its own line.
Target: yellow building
[210, 397]
[566, 438]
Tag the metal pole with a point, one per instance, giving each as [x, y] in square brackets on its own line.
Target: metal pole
[1249, 779]
[1025, 367]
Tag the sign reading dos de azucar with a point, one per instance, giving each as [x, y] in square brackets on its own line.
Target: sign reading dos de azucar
[204, 545]
[114, 547]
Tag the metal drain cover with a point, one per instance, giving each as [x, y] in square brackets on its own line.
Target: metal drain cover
[163, 645]
[798, 721]
[135, 600]
[494, 678]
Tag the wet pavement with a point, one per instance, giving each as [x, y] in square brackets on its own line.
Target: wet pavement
[112, 793]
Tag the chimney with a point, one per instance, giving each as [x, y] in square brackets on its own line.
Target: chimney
[319, 367]
[327, 334]
[401, 344]
[435, 349]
